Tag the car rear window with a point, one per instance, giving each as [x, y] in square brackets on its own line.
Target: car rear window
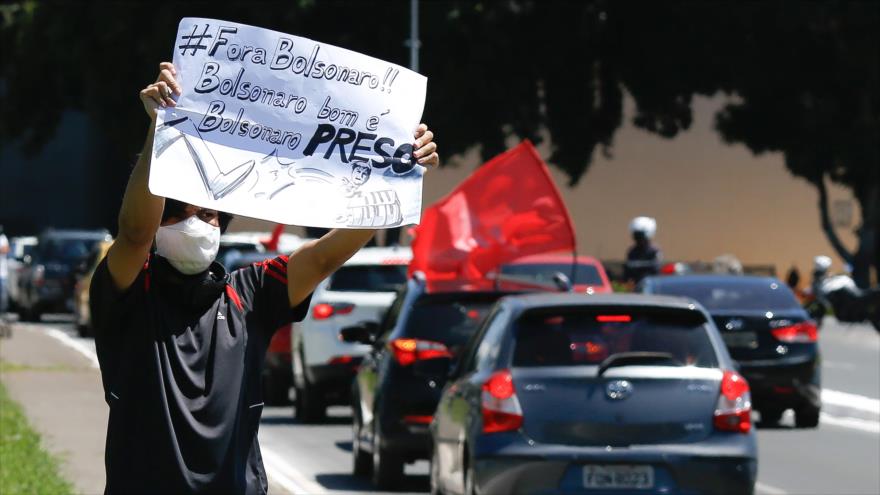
[758, 295]
[448, 319]
[584, 274]
[368, 278]
[67, 249]
[571, 337]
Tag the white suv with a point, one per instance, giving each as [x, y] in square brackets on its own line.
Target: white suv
[324, 365]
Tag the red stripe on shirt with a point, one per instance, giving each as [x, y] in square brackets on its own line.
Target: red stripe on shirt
[276, 276]
[278, 265]
[230, 291]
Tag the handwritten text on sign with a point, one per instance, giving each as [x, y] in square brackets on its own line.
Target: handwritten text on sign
[287, 129]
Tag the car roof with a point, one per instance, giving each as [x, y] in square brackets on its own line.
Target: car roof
[99, 234]
[540, 300]
[554, 258]
[712, 279]
[395, 255]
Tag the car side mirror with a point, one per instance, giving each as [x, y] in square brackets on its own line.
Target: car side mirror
[362, 333]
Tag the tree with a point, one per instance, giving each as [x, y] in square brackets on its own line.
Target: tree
[802, 76]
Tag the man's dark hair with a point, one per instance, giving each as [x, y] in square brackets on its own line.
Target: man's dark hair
[177, 209]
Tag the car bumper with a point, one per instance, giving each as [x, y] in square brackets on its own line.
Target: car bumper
[333, 381]
[723, 464]
[410, 441]
[786, 384]
[53, 299]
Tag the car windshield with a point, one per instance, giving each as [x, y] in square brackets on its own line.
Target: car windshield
[448, 319]
[584, 274]
[67, 249]
[573, 336]
[368, 278]
[745, 294]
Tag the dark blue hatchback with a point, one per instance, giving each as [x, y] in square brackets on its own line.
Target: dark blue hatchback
[566, 393]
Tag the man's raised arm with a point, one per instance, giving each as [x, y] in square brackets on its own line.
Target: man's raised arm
[317, 259]
[141, 211]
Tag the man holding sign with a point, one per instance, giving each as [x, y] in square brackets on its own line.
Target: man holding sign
[181, 342]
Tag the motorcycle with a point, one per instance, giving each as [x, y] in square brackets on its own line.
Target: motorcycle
[849, 303]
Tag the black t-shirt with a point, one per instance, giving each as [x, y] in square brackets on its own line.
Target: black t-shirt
[181, 358]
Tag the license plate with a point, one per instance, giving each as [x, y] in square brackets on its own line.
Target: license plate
[741, 339]
[618, 476]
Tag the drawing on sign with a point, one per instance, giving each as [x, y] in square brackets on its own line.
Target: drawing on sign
[370, 208]
[217, 182]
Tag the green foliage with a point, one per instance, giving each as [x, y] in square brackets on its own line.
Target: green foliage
[802, 76]
[25, 468]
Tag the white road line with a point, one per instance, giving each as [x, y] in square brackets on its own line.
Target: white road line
[763, 488]
[852, 401]
[287, 476]
[74, 344]
[851, 423]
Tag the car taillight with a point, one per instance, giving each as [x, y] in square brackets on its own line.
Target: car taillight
[414, 419]
[408, 351]
[323, 311]
[280, 342]
[614, 318]
[501, 409]
[340, 360]
[803, 332]
[734, 409]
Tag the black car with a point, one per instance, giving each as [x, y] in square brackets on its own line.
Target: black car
[767, 332]
[563, 393]
[397, 387]
[47, 279]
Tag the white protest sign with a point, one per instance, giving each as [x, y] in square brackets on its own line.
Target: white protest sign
[287, 129]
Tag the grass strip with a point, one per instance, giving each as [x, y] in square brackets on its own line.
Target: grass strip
[25, 468]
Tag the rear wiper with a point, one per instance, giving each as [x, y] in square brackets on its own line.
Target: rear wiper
[634, 358]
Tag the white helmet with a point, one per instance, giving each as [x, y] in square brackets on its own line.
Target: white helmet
[821, 263]
[645, 225]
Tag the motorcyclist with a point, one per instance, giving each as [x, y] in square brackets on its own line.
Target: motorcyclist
[644, 257]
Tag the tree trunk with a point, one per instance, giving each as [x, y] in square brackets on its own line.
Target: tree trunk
[869, 247]
[825, 218]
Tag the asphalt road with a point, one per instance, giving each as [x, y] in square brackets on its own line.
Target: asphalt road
[840, 457]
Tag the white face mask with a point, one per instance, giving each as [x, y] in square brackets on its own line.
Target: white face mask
[190, 246]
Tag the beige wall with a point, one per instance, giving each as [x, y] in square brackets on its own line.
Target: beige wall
[708, 198]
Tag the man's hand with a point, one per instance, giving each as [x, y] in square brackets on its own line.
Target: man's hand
[159, 93]
[316, 260]
[425, 147]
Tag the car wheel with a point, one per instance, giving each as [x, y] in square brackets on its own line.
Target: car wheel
[469, 486]
[25, 314]
[807, 417]
[771, 417]
[276, 390]
[387, 467]
[309, 407]
[362, 462]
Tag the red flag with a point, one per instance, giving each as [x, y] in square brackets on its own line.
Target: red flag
[271, 243]
[506, 209]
